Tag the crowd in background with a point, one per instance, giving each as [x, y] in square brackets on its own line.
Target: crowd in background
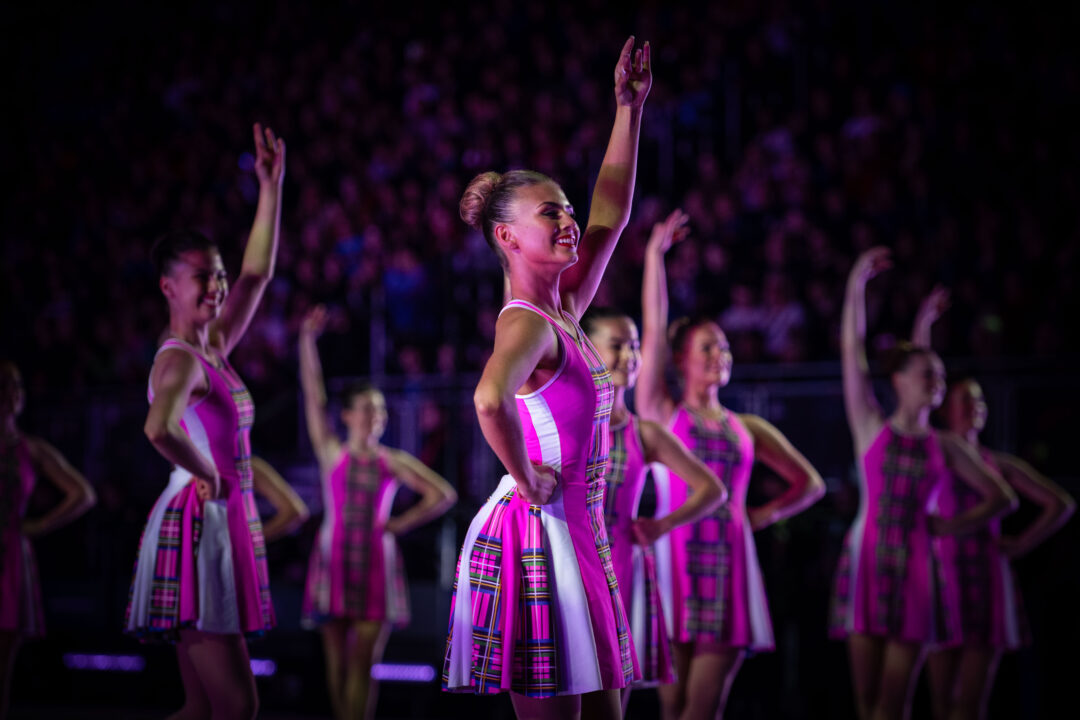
[795, 135]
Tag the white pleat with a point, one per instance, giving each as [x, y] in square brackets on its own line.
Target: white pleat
[219, 610]
[761, 633]
[665, 573]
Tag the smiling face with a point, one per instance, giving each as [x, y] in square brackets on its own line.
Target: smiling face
[365, 416]
[965, 407]
[543, 231]
[921, 382]
[196, 286]
[705, 357]
[616, 340]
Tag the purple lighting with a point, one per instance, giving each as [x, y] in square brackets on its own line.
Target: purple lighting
[105, 663]
[263, 667]
[403, 673]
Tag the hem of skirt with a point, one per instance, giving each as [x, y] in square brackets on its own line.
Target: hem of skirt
[473, 690]
[171, 636]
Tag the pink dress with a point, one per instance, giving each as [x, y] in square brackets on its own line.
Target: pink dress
[890, 582]
[708, 571]
[991, 613]
[635, 566]
[20, 592]
[536, 607]
[201, 564]
[356, 571]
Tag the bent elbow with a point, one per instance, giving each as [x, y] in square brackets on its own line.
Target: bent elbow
[487, 401]
[156, 432]
[815, 487]
[450, 498]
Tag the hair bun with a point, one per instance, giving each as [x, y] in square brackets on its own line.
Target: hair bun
[474, 200]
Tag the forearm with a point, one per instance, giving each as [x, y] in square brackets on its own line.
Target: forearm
[920, 332]
[501, 427]
[1049, 522]
[791, 502]
[311, 374]
[176, 447]
[429, 508]
[649, 394]
[698, 505]
[261, 249]
[853, 324]
[614, 191]
[977, 516]
[284, 521]
[73, 505]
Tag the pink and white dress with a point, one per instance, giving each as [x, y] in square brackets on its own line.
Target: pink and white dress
[356, 571]
[709, 575]
[536, 606]
[202, 564]
[635, 566]
[20, 592]
[890, 581]
[991, 611]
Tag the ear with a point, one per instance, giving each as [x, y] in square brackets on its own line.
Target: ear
[165, 283]
[505, 237]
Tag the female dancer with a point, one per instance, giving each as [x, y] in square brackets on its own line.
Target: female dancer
[206, 521]
[891, 600]
[635, 443]
[356, 579]
[536, 607]
[709, 574]
[22, 459]
[962, 677]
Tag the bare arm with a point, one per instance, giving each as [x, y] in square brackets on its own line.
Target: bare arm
[997, 497]
[930, 309]
[323, 441]
[175, 376]
[614, 190]
[1057, 506]
[436, 495]
[290, 512]
[523, 340]
[78, 495]
[708, 493]
[863, 413]
[805, 486]
[260, 253]
[651, 398]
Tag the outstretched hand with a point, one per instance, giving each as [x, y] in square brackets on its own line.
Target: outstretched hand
[933, 306]
[633, 74]
[669, 232]
[269, 156]
[871, 263]
[314, 321]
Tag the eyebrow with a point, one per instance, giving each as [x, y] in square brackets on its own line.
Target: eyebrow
[567, 206]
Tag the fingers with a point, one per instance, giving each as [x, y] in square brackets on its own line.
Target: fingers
[637, 60]
[646, 58]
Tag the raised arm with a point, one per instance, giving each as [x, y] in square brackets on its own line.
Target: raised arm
[78, 495]
[323, 441]
[805, 486]
[997, 497]
[175, 376]
[863, 413]
[708, 493]
[260, 253]
[1056, 505]
[614, 190]
[651, 398]
[523, 340]
[931, 308]
[290, 512]
[436, 495]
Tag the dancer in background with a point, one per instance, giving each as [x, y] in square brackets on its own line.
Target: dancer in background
[991, 620]
[356, 580]
[635, 443]
[290, 512]
[200, 417]
[24, 458]
[709, 574]
[893, 598]
[537, 610]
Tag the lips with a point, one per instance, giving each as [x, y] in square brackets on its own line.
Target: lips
[569, 241]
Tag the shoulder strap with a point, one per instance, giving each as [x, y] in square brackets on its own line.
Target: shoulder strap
[528, 306]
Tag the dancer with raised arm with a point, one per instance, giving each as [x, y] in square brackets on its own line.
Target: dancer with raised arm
[991, 619]
[23, 459]
[356, 580]
[708, 572]
[636, 443]
[536, 609]
[893, 597]
[201, 579]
